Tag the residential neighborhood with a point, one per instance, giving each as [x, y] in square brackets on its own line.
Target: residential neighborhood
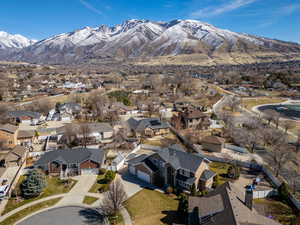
[200, 152]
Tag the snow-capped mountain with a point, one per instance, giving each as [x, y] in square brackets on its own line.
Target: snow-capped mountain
[135, 38]
[14, 41]
[10, 44]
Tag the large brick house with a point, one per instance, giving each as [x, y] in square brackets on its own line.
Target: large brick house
[71, 162]
[8, 135]
[172, 167]
[149, 127]
[191, 118]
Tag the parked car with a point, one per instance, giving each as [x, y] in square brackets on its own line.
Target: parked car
[3, 191]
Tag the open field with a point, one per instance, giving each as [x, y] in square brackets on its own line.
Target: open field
[25, 212]
[152, 208]
[249, 103]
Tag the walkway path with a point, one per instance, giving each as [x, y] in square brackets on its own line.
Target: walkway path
[74, 197]
[77, 193]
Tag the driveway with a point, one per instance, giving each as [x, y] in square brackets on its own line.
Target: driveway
[71, 215]
[77, 193]
[132, 184]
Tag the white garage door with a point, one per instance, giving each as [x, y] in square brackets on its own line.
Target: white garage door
[132, 170]
[143, 176]
[89, 171]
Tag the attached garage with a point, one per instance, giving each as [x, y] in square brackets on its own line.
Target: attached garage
[93, 171]
[144, 176]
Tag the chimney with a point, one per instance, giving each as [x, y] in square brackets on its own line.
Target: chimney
[249, 198]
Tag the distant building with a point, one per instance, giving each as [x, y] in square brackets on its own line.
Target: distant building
[213, 143]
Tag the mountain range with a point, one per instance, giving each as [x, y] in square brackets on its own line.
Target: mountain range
[138, 38]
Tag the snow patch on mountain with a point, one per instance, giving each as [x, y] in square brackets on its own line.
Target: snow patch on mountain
[14, 41]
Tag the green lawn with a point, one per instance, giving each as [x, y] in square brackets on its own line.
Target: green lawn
[149, 207]
[25, 212]
[278, 210]
[98, 184]
[220, 169]
[54, 186]
[89, 200]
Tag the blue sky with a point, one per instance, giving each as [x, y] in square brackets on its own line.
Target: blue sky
[39, 19]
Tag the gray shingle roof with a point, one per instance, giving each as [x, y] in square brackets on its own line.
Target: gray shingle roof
[207, 174]
[20, 113]
[141, 125]
[180, 159]
[226, 203]
[71, 156]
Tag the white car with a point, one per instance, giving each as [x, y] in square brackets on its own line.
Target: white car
[3, 190]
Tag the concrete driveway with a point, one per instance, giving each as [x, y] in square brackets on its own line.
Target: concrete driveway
[132, 184]
[71, 215]
[77, 193]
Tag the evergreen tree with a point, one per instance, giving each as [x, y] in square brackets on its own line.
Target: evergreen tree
[183, 204]
[193, 190]
[34, 184]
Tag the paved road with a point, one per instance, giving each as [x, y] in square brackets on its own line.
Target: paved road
[71, 215]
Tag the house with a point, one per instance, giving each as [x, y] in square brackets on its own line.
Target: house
[213, 143]
[15, 157]
[95, 132]
[71, 162]
[70, 108]
[172, 167]
[225, 205]
[192, 118]
[25, 117]
[149, 127]
[26, 137]
[8, 135]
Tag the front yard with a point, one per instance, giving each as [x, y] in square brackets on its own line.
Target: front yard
[89, 200]
[54, 186]
[149, 207]
[25, 212]
[99, 184]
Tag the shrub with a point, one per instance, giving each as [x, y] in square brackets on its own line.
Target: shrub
[34, 184]
[109, 176]
[103, 188]
[183, 204]
[169, 190]
[216, 182]
[284, 192]
[233, 172]
[193, 190]
[102, 171]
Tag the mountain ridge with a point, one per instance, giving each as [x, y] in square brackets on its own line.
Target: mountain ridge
[145, 38]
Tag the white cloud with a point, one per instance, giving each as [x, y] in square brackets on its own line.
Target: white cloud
[212, 11]
[90, 7]
[289, 9]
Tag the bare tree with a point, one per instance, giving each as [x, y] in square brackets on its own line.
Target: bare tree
[287, 125]
[113, 199]
[280, 151]
[70, 134]
[84, 132]
[234, 103]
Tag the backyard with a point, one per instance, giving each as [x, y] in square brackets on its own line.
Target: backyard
[150, 207]
[276, 210]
